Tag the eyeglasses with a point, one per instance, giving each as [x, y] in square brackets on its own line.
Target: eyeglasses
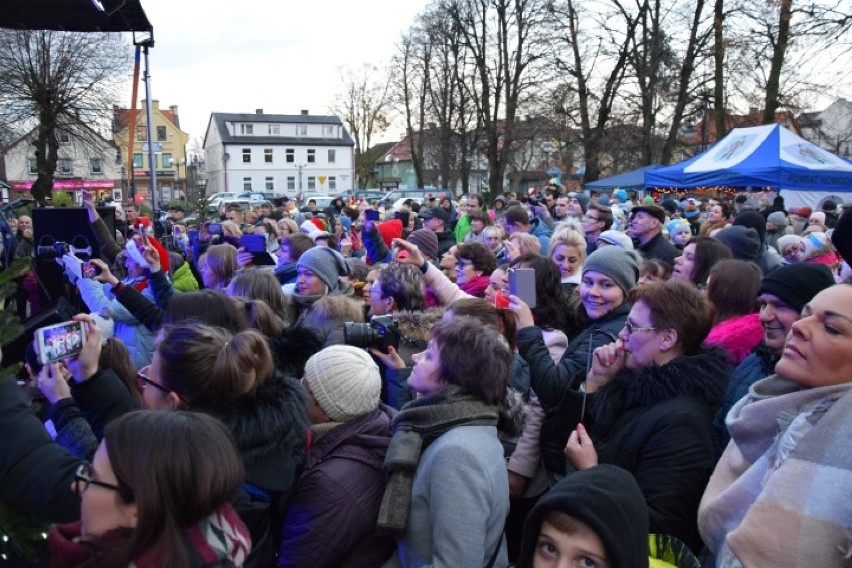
[84, 477]
[631, 329]
[590, 218]
[143, 381]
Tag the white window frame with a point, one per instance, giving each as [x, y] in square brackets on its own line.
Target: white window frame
[332, 182]
[170, 162]
[312, 156]
[312, 183]
[65, 166]
[332, 156]
[274, 130]
[64, 137]
[246, 184]
[32, 166]
[246, 155]
[290, 155]
[96, 166]
[247, 129]
[267, 155]
[328, 131]
[301, 130]
[270, 183]
[291, 183]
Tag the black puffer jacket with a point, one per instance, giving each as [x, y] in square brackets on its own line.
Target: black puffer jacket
[658, 425]
[270, 427]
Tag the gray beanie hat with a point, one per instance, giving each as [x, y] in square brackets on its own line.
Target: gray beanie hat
[583, 200]
[327, 264]
[345, 382]
[778, 218]
[618, 263]
[744, 242]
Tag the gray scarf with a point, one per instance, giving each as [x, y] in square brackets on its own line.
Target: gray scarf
[416, 426]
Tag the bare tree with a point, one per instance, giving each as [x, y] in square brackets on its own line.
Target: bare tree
[363, 103]
[59, 80]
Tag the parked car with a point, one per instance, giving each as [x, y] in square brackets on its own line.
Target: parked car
[215, 200]
[398, 203]
[367, 195]
[323, 200]
[242, 203]
[422, 193]
[260, 195]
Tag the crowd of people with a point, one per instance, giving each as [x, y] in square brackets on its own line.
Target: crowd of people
[357, 387]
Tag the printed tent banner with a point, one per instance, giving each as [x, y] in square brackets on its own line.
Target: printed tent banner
[768, 156]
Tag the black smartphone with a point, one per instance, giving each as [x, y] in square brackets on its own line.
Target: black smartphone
[214, 229]
[522, 284]
[403, 216]
[372, 215]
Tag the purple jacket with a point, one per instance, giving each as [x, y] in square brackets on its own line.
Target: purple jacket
[330, 518]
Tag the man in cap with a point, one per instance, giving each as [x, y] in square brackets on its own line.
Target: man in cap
[437, 220]
[782, 295]
[646, 228]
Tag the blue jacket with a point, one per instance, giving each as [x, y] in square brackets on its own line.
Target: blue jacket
[542, 232]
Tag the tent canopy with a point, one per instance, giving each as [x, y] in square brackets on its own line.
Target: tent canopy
[634, 179]
[75, 15]
[758, 157]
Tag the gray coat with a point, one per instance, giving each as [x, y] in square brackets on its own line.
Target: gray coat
[459, 503]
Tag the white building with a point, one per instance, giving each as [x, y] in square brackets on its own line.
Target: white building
[284, 154]
[88, 163]
[830, 128]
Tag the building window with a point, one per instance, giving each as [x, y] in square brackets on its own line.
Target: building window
[332, 183]
[247, 129]
[96, 166]
[290, 154]
[301, 130]
[246, 155]
[137, 161]
[312, 156]
[161, 133]
[167, 161]
[328, 131]
[31, 164]
[275, 130]
[267, 155]
[270, 184]
[246, 184]
[142, 133]
[312, 183]
[64, 137]
[65, 166]
[291, 183]
[332, 156]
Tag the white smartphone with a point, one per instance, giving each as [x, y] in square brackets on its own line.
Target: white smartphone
[60, 341]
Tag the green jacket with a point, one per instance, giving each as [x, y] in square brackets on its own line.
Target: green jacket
[183, 280]
[462, 228]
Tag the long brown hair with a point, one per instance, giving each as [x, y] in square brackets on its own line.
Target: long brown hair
[500, 319]
[115, 356]
[178, 468]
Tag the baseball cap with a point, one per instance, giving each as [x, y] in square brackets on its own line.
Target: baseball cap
[434, 213]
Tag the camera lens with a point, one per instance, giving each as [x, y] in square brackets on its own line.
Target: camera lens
[358, 334]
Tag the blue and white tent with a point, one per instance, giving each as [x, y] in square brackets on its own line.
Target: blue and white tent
[759, 157]
[634, 179]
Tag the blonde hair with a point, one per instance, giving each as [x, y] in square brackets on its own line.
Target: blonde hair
[527, 243]
[231, 228]
[290, 224]
[568, 237]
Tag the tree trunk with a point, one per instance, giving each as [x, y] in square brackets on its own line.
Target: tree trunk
[719, 69]
[774, 81]
[47, 149]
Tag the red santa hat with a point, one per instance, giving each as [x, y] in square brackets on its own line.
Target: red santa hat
[135, 250]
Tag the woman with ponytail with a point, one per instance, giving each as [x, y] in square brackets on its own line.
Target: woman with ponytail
[230, 376]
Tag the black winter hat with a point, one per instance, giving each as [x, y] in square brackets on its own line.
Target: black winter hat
[744, 242]
[754, 220]
[608, 500]
[797, 284]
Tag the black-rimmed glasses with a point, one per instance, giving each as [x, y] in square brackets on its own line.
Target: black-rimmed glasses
[84, 477]
[143, 381]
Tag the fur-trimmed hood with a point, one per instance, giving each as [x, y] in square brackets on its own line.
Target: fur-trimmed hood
[270, 426]
[416, 326]
[702, 377]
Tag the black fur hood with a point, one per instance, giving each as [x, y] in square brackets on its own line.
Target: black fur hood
[702, 376]
[270, 426]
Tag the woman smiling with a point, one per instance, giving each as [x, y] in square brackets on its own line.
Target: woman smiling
[780, 493]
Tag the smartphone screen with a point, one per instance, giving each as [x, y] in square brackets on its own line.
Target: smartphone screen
[522, 284]
[60, 341]
[253, 243]
[89, 270]
[371, 215]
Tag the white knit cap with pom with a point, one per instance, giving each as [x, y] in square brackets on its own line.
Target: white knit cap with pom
[345, 382]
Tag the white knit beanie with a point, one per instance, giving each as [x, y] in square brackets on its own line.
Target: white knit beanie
[345, 382]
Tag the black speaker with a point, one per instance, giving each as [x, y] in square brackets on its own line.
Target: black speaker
[56, 312]
[67, 225]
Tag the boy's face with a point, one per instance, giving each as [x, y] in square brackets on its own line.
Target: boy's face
[577, 547]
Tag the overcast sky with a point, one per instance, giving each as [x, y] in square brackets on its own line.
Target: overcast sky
[219, 56]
